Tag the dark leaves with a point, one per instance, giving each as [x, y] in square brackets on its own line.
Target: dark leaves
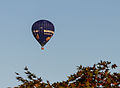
[114, 66]
[16, 73]
[26, 68]
[97, 76]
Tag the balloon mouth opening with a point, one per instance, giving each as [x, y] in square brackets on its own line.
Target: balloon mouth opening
[42, 48]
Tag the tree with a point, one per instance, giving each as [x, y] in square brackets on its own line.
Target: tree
[98, 75]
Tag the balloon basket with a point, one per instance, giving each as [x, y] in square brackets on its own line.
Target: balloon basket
[42, 48]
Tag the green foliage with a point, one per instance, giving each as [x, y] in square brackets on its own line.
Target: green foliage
[97, 76]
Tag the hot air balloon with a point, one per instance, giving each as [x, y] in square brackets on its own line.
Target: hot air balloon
[43, 30]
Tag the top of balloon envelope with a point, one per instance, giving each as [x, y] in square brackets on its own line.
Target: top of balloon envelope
[43, 30]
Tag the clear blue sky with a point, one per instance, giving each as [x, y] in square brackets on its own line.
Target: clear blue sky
[87, 31]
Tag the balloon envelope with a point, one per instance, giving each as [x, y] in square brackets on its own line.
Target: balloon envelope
[43, 30]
